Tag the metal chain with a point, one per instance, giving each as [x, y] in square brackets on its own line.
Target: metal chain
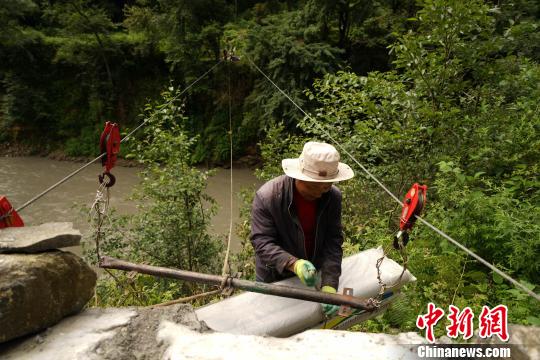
[98, 213]
[384, 286]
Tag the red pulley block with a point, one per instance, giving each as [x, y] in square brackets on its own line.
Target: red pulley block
[412, 205]
[8, 215]
[414, 202]
[109, 143]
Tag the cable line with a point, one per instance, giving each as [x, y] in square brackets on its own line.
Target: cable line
[121, 141]
[226, 268]
[440, 232]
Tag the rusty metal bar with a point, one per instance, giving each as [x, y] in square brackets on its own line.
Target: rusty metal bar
[258, 287]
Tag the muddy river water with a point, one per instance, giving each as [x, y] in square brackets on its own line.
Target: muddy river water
[21, 178]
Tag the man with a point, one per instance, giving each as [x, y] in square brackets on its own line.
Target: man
[296, 220]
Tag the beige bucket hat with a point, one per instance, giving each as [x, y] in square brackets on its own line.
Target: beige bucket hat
[319, 162]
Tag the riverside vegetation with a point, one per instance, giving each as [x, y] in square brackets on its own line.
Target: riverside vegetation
[441, 92]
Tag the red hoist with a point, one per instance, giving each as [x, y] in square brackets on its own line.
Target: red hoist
[109, 144]
[8, 215]
[414, 202]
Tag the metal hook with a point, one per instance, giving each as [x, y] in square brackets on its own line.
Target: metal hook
[111, 179]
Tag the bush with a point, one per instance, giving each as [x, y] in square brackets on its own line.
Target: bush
[86, 144]
[170, 228]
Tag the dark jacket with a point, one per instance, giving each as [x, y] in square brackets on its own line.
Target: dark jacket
[277, 236]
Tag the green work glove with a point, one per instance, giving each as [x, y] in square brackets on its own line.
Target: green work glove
[306, 272]
[329, 309]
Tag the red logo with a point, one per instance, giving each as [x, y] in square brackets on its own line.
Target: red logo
[460, 322]
[490, 322]
[429, 320]
[494, 322]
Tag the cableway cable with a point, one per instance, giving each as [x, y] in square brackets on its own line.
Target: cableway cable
[226, 267]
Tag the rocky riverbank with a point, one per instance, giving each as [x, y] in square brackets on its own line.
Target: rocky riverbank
[18, 149]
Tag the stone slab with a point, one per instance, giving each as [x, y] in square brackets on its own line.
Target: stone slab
[44, 237]
[73, 338]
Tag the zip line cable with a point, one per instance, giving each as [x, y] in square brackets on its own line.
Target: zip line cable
[121, 141]
[477, 257]
[438, 231]
[226, 268]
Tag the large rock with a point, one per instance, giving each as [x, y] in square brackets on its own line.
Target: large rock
[38, 290]
[32, 239]
[186, 344]
[113, 333]
[174, 333]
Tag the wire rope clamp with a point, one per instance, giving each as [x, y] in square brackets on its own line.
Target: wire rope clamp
[228, 55]
[226, 285]
[346, 310]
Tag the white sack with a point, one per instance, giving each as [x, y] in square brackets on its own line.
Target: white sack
[258, 314]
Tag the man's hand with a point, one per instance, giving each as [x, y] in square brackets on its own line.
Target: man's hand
[329, 309]
[306, 272]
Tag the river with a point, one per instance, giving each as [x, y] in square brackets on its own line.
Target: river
[21, 178]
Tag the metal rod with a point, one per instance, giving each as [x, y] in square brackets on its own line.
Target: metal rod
[252, 286]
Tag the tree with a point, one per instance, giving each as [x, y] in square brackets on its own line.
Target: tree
[290, 50]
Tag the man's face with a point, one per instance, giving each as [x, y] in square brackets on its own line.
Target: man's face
[312, 190]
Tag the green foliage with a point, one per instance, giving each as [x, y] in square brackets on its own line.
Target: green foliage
[277, 142]
[71, 65]
[173, 230]
[87, 144]
[459, 113]
[66, 67]
[12, 28]
[490, 220]
[290, 50]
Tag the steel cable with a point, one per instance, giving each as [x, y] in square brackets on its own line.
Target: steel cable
[226, 268]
